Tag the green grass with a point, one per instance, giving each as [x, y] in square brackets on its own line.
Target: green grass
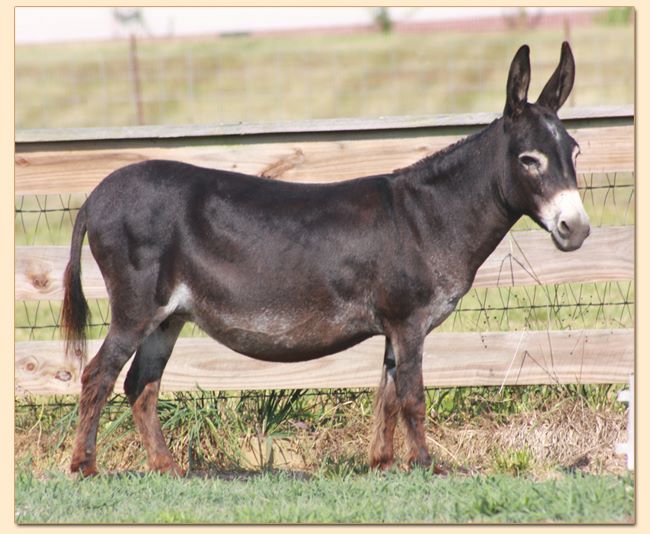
[499, 470]
[394, 497]
[253, 78]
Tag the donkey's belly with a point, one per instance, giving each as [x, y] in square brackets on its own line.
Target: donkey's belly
[283, 337]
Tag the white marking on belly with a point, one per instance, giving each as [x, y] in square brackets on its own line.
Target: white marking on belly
[179, 300]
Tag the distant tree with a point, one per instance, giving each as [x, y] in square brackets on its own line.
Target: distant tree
[130, 21]
[382, 19]
[617, 16]
[522, 19]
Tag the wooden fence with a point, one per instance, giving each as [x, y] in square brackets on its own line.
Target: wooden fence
[68, 161]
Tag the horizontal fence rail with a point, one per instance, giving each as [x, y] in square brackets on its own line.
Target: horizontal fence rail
[63, 165]
[524, 258]
[58, 162]
[572, 117]
[456, 359]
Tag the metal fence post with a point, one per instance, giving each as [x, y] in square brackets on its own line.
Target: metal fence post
[135, 74]
[627, 395]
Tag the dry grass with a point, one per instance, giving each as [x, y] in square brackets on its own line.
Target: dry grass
[571, 435]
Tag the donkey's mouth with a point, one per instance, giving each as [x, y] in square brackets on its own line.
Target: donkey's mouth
[567, 239]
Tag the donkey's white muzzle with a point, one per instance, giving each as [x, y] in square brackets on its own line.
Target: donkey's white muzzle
[565, 217]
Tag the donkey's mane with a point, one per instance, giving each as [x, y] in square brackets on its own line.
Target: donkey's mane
[437, 163]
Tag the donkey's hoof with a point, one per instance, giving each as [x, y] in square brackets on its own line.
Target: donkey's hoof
[174, 470]
[382, 463]
[169, 467]
[87, 468]
[385, 466]
[422, 460]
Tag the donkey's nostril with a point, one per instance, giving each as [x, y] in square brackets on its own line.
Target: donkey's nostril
[563, 228]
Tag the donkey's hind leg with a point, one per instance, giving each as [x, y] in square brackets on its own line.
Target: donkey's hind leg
[142, 386]
[97, 383]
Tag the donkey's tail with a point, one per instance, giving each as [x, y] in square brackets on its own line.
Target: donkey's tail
[75, 312]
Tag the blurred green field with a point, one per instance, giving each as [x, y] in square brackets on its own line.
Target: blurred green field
[292, 77]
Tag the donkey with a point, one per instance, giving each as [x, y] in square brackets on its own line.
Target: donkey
[288, 272]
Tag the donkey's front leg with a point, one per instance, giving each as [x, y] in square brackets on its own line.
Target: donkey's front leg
[410, 394]
[386, 412]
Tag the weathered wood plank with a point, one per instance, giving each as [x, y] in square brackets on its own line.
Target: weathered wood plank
[39, 273]
[456, 359]
[522, 258]
[574, 117]
[530, 257]
[54, 168]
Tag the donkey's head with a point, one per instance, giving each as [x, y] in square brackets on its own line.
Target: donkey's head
[542, 155]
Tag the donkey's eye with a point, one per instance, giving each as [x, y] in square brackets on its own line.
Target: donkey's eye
[529, 161]
[534, 161]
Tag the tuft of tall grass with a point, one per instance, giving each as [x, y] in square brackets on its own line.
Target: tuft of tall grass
[514, 462]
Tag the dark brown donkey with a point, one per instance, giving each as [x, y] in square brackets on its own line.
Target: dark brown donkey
[288, 272]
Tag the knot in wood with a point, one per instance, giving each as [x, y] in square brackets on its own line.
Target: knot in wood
[40, 281]
[63, 376]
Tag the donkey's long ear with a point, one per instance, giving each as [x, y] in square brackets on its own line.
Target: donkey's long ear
[518, 82]
[558, 87]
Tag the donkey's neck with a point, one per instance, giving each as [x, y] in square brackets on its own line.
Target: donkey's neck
[456, 197]
[465, 162]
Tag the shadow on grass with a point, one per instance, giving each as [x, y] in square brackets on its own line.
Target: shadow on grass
[245, 475]
[242, 475]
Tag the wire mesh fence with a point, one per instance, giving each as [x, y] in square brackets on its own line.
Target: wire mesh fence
[608, 198]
